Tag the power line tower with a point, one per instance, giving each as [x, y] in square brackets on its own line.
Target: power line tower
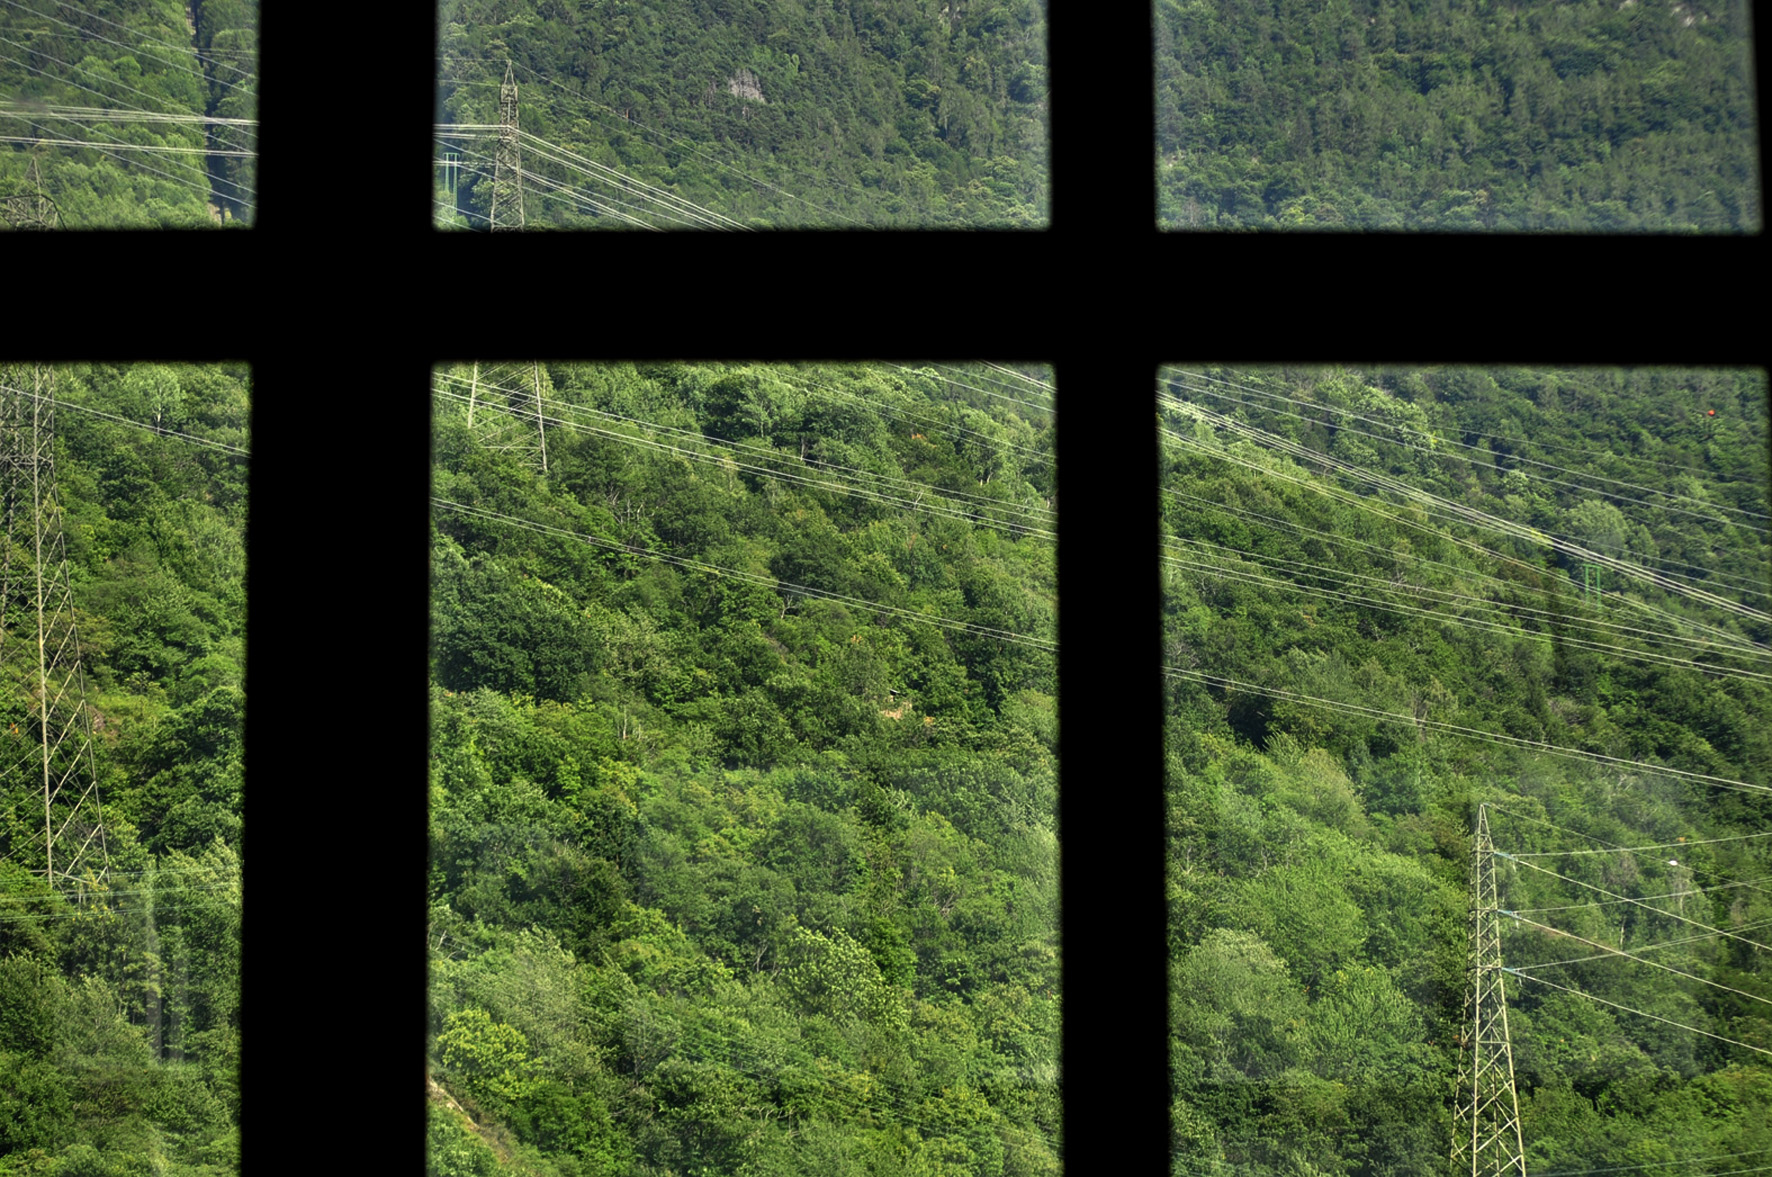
[46, 738]
[1486, 1136]
[31, 208]
[504, 412]
[507, 169]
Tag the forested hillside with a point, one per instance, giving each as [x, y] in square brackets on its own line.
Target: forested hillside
[138, 84]
[1458, 114]
[743, 771]
[782, 113]
[120, 987]
[1392, 597]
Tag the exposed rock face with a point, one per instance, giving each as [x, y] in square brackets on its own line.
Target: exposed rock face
[743, 84]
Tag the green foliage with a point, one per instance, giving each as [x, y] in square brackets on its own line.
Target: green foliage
[759, 882]
[119, 1003]
[30, 1006]
[453, 1151]
[127, 56]
[36, 1108]
[1319, 847]
[490, 1058]
[839, 979]
[1537, 115]
[782, 113]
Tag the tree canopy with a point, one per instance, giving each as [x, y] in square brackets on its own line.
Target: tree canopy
[127, 85]
[120, 991]
[780, 113]
[1458, 114]
[743, 770]
[1388, 601]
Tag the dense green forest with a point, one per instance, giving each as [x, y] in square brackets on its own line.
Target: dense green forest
[1394, 596]
[137, 83]
[1458, 114]
[779, 113]
[120, 987]
[743, 771]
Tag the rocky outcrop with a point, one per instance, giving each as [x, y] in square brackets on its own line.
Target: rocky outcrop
[744, 84]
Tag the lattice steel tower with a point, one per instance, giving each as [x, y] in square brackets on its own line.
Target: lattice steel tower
[49, 803]
[31, 208]
[505, 428]
[507, 167]
[1486, 1136]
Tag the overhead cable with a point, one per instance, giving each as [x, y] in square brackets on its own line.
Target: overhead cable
[1475, 733]
[1434, 441]
[1316, 486]
[1642, 1013]
[1640, 903]
[772, 583]
[1448, 509]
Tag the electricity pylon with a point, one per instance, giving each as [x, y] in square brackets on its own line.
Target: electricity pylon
[1486, 1136]
[32, 208]
[46, 737]
[495, 429]
[507, 167]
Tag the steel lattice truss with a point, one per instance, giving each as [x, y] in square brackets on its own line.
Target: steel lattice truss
[505, 408]
[1486, 1138]
[31, 208]
[507, 186]
[49, 804]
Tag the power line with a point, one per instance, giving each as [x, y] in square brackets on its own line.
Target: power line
[1663, 1164]
[1681, 844]
[100, 897]
[1489, 605]
[97, 114]
[82, 69]
[628, 123]
[940, 424]
[1474, 733]
[737, 574]
[1431, 448]
[1486, 623]
[987, 392]
[1668, 895]
[87, 34]
[1448, 510]
[1738, 584]
[1435, 505]
[1694, 939]
[123, 146]
[546, 187]
[1609, 949]
[965, 504]
[1695, 870]
[158, 41]
[1435, 440]
[1348, 499]
[1019, 375]
[669, 205]
[664, 198]
[939, 505]
[204, 188]
[676, 210]
[1643, 1013]
[158, 431]
[1639, 903]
